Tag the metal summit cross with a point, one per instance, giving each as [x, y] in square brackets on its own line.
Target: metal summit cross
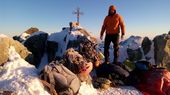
[78, 13]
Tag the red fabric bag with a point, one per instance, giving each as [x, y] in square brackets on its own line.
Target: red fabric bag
[155, 82]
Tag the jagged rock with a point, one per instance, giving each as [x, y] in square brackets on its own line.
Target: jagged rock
[26, 34]
[86, 48]
[5, 43]
[73, 44]
[76, 43]
[52, 48]
[146, 45]
[87, 34]
[32, 30]
[80, 38]
[36, 44]
[102, 83]
[134, 55]
[162, 49]
[71, 60]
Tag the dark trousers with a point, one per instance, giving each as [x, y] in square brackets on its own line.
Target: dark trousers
[114, 38]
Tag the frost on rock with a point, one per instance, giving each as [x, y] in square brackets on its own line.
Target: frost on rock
[126, 90]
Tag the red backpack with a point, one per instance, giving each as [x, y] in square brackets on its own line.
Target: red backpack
[155, 82]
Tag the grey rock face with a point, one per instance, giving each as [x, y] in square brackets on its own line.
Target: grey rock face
[162, 49]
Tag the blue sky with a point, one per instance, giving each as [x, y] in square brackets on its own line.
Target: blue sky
[142, 17]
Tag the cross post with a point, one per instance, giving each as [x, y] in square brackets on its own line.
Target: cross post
[78, 13]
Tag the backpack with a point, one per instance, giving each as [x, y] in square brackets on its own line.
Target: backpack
[60, 78]
[155, 82]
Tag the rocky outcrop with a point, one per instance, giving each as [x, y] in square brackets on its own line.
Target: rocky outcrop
[146, 45]
[36, 44]
[134, 55]
[162, 49]
[5, 43]
[32, 30]
[85, 47]
[23, 36]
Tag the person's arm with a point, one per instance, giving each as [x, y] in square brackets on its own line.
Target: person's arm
[122, 26]
[103, 29]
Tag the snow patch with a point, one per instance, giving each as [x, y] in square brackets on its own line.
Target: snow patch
[24, 36]
[19, 76]
[126, 90]
[63, 38]
[86, 89]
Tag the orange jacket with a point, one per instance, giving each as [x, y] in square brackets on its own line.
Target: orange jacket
[111, 25]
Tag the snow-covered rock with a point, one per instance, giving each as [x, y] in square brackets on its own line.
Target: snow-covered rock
[19, 76]
[5, 43]
[133, 42]
[67, 36]
[60, 38]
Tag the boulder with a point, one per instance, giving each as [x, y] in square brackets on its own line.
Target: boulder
[146, 45]
[52, 48]
[134, 55]
[5, 43]
[162, 49]
[36, 44]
